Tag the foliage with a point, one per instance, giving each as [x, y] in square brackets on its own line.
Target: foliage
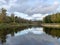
[4, 18]
[54, 18]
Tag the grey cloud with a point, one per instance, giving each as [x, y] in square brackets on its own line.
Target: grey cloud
[43, 9]
[2, 2]
[21, 1]
[22, 6]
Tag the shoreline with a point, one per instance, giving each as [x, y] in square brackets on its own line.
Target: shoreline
[51, 25]
[9, 26]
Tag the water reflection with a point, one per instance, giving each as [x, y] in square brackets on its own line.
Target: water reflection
[29, 36]
[11, 31]
[53, 31]
[33, 30]
[32, 36]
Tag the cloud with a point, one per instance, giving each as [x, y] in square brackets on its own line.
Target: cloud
[43, 9]
[25, 6]
[32, 17]
[38, 8]
[38, 16]
[22, 15]
[2, 1]
[30, 7]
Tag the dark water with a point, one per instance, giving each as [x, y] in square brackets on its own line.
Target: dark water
[30, 36]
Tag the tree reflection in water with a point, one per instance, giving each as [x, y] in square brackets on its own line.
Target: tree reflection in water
[4, 32]
[52, 31]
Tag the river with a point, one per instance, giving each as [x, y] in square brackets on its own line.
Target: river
[32, 36]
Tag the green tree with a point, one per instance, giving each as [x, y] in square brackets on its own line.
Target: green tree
[54, 18]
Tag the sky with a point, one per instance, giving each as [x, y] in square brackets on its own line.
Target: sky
[31, 9]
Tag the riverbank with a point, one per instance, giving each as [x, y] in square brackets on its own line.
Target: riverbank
[51, 25]
[9, 26]
[15, 25]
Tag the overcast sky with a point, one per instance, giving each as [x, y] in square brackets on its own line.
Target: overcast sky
[31, 9]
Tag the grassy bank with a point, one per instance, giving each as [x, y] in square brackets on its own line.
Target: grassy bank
[15, 25]
[51, 25]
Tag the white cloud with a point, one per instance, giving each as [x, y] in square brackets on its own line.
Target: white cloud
[38, 16]
[20, 14]
[33, 17]
[25, 16]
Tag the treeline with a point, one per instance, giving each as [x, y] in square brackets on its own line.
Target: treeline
[4, 18]
[54, 18]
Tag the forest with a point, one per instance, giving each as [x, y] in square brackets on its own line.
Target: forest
[7, 21]
[4, 18]
[53, 18]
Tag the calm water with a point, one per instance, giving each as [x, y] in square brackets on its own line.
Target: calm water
[31, 36]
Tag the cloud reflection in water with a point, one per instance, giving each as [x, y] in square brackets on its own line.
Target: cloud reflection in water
[33, 36]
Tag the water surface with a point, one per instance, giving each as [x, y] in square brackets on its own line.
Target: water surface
[32, 36]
